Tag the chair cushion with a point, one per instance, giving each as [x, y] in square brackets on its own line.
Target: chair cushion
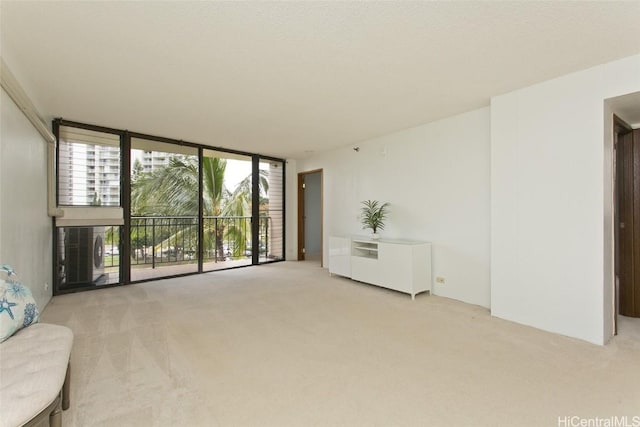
[33, 365]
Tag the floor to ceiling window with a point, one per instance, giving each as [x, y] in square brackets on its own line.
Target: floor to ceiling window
[139, 207]
[271, 211]
[164, 209]
[89, 188]
[227, 197]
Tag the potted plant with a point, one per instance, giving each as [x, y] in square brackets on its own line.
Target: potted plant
[373, 215]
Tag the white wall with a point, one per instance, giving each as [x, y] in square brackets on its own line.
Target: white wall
[551, 192]
[25, 228]
[437, 179]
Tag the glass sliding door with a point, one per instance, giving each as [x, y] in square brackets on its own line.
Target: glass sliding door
[271, 212]
[164, 209]
[139, 207]
[226, 202]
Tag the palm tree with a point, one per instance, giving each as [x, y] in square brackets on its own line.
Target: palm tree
[168, 191]
[173, 191]
[240, 201]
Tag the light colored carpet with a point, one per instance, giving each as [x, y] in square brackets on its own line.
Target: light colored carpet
[287, 345]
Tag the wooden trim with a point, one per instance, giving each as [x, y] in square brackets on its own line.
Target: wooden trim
[626, 171]
[635, 289]
[620, 126]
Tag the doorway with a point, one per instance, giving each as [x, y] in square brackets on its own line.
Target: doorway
[310, 195]
[627, 220]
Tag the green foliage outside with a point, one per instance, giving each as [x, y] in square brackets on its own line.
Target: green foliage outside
[172, 191]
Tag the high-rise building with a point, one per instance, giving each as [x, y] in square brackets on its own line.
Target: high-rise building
[152, 160]
[88, 168]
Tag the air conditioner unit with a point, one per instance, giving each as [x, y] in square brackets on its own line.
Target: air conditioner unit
[98, 254]
[84, 255]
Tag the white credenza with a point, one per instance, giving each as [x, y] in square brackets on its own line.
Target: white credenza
[401, 265]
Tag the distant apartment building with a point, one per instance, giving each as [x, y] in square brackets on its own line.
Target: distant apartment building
[152, 160]
[89, 167]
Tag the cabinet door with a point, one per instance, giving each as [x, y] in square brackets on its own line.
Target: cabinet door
[367, 270]
[396, 263]
[340, 256]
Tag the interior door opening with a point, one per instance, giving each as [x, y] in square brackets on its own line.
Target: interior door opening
[310, 216]
[627, 221]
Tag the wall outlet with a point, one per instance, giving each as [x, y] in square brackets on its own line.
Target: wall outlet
[46, 286]
[440, 280]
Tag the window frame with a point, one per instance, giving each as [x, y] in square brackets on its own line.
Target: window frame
[121, 216]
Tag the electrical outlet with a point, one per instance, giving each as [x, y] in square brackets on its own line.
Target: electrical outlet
[440, 280]
[46, 286]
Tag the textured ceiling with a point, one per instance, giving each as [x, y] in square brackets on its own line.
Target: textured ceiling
[288, 78]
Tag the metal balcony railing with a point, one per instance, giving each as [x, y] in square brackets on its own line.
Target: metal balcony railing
[174, 240]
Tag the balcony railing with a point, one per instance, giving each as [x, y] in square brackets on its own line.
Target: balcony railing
[174, 240]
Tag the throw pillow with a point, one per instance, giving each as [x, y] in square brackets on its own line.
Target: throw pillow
[18, 309]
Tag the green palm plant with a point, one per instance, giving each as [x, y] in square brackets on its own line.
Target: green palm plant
[168, 191]
[214, 194]
[239, 203]
[173, 191]
[373, 215]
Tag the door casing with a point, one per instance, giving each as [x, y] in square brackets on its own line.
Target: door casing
[626, 220]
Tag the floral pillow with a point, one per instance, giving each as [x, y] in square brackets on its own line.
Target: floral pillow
[18, 309]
